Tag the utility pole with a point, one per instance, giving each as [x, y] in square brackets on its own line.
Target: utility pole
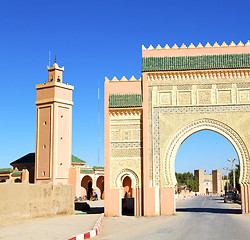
[226, 168]
[98, 124]
[222, 178]
[233, 171]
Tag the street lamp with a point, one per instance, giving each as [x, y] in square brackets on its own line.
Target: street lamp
[226, 168]
[229, 160]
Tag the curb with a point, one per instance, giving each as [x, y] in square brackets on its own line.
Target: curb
[92, 233]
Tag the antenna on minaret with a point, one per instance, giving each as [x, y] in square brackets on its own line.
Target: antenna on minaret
[98, 124]
[49, 58]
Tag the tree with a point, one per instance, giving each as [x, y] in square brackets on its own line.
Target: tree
[187, 179]
[237, 176]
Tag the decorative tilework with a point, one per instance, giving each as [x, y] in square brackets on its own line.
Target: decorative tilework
[203, 62]
[174, 110]
[125, 100]
[126, 144]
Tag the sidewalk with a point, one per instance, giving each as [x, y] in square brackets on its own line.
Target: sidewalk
[59, 227]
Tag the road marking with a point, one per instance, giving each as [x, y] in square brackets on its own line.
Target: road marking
[204, 201]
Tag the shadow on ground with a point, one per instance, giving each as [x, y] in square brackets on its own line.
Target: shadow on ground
[210, 210]
[95, 210]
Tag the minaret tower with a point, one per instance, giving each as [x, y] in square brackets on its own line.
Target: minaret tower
[53, 128]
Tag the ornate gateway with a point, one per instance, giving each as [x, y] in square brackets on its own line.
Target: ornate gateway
[182, 91]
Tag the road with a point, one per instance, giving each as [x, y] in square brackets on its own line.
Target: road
[198, 218]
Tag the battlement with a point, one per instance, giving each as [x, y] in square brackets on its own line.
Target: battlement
[199, 50]
[191, 46]
[123, 79]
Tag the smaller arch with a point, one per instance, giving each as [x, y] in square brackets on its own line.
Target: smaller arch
[86, 184]
[2, 180]
[127, 190]
[122, 174]
[18, 180]
[100, 186]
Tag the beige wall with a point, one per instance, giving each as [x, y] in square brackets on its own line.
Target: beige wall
[20, 201]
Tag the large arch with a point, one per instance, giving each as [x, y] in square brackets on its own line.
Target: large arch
[205, 124]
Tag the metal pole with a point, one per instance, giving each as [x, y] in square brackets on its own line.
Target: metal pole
[234, 173]
[227, 177]
[222, 177]
[98, 125]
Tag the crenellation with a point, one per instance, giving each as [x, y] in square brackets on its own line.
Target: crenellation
[192, 46]
[123, 79]
[199, 46]
[183, 46]
[208, 45]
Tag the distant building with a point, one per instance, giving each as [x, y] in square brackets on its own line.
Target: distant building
[82, 176]
[210, 183]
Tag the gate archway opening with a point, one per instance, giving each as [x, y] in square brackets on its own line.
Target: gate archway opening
[215, 126]
[205, 156]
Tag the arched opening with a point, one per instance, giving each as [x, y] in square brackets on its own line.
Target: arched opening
[86, 184]
[202, 160]
[127, 191]
[17, 180]
[205, 124]
[128, 200]
[2, 180]
[100, 187]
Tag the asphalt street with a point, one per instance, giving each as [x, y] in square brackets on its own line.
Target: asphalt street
[204, 218]
[197, 218]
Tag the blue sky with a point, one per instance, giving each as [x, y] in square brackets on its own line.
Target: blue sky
[94, 39]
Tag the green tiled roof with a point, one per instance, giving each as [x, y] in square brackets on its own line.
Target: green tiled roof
[87, 171]
[98, 167]
[204, 62]
[5, 170]
[16, 173]
[28, 158]
[75, 159]
[125, 100]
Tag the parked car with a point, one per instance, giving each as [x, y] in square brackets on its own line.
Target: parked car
[229, 197]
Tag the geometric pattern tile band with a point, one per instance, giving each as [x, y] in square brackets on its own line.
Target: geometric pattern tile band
[126, 144]
[156, 139]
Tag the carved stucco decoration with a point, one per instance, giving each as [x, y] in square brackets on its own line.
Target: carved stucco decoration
[122, 174]
[205, 124]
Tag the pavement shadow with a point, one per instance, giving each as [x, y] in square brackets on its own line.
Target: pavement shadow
[210, 210]
[95, 210]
